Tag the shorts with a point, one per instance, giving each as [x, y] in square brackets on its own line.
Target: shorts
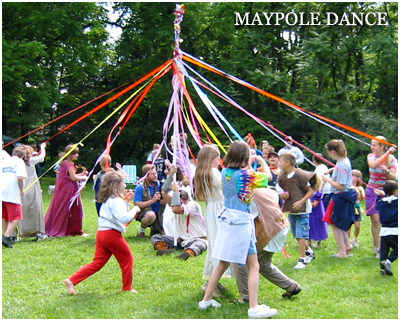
[11, 211]
[299, 225]
[370, 201]
[142, 214]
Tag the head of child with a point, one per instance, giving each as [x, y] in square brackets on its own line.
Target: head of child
[113, 185]
[336, 149]
[287, 162]
[273, 159]
[238, 155]
[317, 159]
[105, 162]
[19, 152]
[73, 156]
[28, 153]
[377, 147]
[390, 188]
[208, 157]
[357, 177]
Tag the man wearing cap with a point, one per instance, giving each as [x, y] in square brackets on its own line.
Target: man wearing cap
[293, 149]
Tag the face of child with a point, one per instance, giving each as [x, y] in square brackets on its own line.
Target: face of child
[273, 161]
[284, 164]
[354, 181]
[376, 147]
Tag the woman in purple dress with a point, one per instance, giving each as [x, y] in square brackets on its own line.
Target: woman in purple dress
[318, 228]
[63, 218]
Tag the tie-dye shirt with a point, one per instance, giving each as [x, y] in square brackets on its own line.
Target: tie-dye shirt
[247, 181]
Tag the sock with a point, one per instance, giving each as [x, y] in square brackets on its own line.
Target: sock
[191, 252]
[142, 230]
[161, 246]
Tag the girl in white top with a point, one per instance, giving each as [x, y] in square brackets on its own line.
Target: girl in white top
[114, 216]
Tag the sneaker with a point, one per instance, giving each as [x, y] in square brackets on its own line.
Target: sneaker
[221, 287]
[261, 311]
[41, 236]
[301, 264]
[386, 266]
[288, 294]
[309, 258]
[7, 241]
[310, 251]
[354, 243]
[204, 305]
[183, 256]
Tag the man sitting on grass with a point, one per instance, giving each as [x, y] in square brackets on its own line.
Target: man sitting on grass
[190, 230]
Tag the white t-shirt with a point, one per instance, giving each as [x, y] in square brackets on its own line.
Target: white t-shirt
[191, 224]
[11, 169]
[320, 170]
[4, 154]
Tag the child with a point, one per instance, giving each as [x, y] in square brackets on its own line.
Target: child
[12, 186]
[340, 212]
[318, 228]
[388, 215]
[357, 183]
[114, 216]
[235, 242]
[294, 186]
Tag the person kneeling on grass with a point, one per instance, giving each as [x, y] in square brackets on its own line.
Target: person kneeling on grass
[113, 218]
[190, 231]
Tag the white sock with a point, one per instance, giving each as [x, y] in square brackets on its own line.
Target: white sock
[142, 230]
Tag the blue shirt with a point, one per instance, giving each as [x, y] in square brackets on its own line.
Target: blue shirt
[139, 196]
[343, 175]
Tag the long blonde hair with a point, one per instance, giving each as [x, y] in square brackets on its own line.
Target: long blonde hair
[203, 176]
[110, 186]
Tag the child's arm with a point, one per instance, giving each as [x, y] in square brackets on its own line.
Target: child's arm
[333, 183]
[297, 205]
[315, 203]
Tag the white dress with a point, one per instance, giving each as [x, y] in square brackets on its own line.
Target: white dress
[214, 204]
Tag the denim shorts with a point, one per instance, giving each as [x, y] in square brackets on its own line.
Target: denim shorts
[299, 225]
[252, 247]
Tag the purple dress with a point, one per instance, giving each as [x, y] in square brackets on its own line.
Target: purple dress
[61, 220]
[318, 228]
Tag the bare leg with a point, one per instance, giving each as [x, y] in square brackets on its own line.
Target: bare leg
[214, 279]
[337, 233]
[302, 247]
[253, 280]
[11, 228]
[148, 219]
[375, 228]
[357, 226]
[70, 287]
[5, 223]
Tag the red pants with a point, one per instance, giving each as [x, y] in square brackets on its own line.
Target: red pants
[110, 242]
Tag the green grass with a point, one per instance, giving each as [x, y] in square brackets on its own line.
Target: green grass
[169, 288]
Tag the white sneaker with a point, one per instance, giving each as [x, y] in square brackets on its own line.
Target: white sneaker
[301, 264]
[261, 311]
[309, 251]
[203, 305]
[309, 258]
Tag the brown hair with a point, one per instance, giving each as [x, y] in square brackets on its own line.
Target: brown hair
[358, 174]
[318, 158]
[203, 178]
[238, 155]
[28, 153]
[338, 146]
[68, 148]
[19, 151]
[103, 161]
[110, 186]
[146, 168]
[289, 157]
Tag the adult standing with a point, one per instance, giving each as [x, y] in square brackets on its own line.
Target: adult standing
[32, 203]
[64, 218]
[208, 182]
[382, 166]
[293, 149]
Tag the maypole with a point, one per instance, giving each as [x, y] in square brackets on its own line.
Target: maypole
[177, 78]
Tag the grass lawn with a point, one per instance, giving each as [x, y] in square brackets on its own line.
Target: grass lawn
[168, 288]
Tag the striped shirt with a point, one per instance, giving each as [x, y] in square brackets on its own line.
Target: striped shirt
[377, 177]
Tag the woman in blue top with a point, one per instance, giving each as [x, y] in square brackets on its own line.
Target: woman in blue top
[235, 241]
